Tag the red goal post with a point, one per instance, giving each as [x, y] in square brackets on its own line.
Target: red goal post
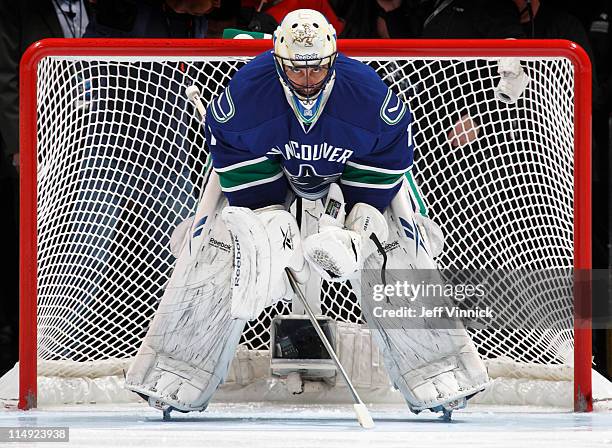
[179, 49]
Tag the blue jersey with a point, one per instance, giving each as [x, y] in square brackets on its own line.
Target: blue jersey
[362, 138]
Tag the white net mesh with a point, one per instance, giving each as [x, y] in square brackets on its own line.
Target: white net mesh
[121, 159]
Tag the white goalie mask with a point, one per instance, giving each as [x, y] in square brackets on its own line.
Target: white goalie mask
[305, 53]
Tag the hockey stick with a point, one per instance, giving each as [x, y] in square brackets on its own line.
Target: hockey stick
[363, 416]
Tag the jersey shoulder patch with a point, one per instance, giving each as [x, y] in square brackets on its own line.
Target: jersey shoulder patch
[222, 108]
[239, 106]
[392, 109]
[363, 99]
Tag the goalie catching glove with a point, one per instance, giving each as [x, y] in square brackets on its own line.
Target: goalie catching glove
[337, 252]
[265, 242]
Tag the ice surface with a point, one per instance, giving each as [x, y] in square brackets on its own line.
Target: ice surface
[270, 426]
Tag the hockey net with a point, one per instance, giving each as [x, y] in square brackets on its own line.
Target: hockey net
[115, 158]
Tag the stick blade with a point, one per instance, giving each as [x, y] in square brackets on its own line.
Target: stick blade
[363, 416]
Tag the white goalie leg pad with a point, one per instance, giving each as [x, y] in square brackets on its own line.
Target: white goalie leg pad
[192, 339]
[265, 242]
[336, 252]
[431, 366]
[180, 236]
[433, 233]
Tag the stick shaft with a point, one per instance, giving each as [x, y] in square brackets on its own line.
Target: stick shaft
[200, 107]
[319, 330]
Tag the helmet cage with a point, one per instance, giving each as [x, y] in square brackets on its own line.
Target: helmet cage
[314, 90]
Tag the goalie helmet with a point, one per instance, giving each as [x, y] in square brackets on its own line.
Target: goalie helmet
[305, 46]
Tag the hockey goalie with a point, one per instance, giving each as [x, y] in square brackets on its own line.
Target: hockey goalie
[302, 120]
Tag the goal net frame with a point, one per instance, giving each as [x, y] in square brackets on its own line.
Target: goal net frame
[133, 48]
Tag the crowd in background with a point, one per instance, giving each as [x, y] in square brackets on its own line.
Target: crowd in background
[26, 21]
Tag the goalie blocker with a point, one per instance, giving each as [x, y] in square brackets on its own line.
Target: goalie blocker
[193, 337]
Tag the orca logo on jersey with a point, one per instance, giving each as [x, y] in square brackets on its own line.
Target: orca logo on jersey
[308, 183]
[312, 153]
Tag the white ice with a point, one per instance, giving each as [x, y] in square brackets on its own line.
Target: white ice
[270, 426]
